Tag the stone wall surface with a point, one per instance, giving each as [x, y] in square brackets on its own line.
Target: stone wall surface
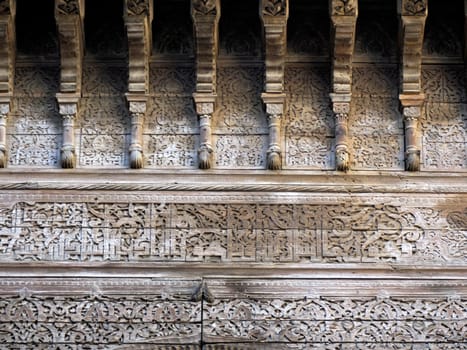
[226, 174]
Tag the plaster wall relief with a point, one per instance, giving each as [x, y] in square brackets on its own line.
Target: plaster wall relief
[240, 130]
[444, 117]
[239, 313]
[444, 136]
[103, 121]
[232, 233]
[85, 313]
[242, 312]
[240, 125]
[34, 130]
[171, 132]
[309, 124]
[375, 125]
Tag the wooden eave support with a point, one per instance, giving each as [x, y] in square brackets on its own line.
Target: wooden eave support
[344, 15]
[69, 16]
[465, 32]
[7, 69]
[413, 16]
[274, 15]
[138, 17]
[205, 15]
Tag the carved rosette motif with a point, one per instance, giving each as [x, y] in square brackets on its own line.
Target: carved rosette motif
[205, 7]
[138, 8]
[69, 7]
[412, 28]
[344, 8]
[344, 18]
[414, 7]
[205, 15]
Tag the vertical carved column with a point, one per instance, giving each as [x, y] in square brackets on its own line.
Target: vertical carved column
[274, 15]
[138, 17]
[413, 14]
[7, 69]
[341, 109]
[4, 110]
[205, 14]
[344, 18]
[68, 109]
[137, 107]
[69, 16]
[274, 110]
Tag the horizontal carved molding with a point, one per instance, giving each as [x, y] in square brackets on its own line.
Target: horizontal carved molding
[228, 181]
[78, 313]
[426, 230]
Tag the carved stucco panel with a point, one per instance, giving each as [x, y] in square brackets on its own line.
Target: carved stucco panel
[36, 81]
[171, 114]
[443, 122]
[444, 83]
[240, 108]
[305, 233]
[171, 150]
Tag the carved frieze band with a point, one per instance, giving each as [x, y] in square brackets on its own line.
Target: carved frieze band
[412, 28]
[144, 313]
[274, 15]
[344, 18]
[205, 15]
[78, 229]
[7, 69]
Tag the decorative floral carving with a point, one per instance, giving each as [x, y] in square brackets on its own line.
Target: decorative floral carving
[414, 7]
[68, 7]
[5, 7]
[274, 7]
[138, 7]
[344, 7]
[205, 7]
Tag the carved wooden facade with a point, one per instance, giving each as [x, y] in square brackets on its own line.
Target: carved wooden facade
[233, 174]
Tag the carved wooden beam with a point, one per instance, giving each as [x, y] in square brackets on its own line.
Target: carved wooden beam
[274, 15]
[413, 14]
[138, 18]
[344, 15]
[7, 69]
[205, 14]
[69, 15]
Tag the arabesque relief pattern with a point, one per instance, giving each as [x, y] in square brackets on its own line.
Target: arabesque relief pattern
[151, 314]
[221, 232]
[212, 246]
